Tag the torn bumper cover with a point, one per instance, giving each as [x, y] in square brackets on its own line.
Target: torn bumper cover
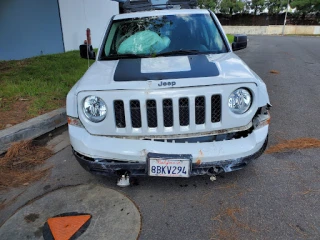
[114, 168]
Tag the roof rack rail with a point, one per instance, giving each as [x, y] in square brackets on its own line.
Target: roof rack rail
[147, 5]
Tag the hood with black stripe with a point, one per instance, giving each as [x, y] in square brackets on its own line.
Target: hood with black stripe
[166, 72]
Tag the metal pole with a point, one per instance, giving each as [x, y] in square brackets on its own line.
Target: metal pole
[285, 18]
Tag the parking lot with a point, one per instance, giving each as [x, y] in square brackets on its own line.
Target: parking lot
[275, 197]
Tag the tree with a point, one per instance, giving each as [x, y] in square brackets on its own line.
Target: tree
[257, 5]
[208, 4]
[231, 6]
[276, 6]
[306, 6]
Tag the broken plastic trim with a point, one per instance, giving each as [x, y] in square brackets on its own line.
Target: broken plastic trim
[210, 138]
[184, 136]
[262, 117]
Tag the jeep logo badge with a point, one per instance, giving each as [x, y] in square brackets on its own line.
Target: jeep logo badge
[162, 84]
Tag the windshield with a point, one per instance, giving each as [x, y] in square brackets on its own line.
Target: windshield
[163, 35]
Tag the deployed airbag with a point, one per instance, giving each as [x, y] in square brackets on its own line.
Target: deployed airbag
[145, 42]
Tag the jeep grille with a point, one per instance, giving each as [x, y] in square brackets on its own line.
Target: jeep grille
[152, 119]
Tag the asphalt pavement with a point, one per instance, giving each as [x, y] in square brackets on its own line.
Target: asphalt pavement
[295, 91]
[275, 197]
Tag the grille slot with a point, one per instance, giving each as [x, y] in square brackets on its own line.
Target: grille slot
[200, 110]
[135, 113]
[184, 111]
[167, 113]
[152, 113]
[119, 114]
[215, 108]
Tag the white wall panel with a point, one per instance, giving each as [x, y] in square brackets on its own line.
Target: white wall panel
[78, 15]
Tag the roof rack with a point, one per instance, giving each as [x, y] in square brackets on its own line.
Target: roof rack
[148, 5]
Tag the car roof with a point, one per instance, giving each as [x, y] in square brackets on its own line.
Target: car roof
[160, 13]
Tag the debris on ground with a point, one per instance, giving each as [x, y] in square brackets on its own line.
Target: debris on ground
[308, 191]
[22, 164]
[229, 226]
[299, 143]
[274, 71]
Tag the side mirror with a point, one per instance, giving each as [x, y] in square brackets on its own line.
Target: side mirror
[239, 42]
[87, 51]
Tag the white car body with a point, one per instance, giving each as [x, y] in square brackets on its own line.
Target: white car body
[107, 149]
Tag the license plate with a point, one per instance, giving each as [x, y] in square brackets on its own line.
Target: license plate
[169, 167]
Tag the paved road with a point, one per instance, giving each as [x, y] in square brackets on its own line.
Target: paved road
[276, 197]
[295, 91]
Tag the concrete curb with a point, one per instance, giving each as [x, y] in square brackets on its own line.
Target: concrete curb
[32, 128]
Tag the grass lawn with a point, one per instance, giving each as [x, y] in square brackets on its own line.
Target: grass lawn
[37, 85]
[230, 38]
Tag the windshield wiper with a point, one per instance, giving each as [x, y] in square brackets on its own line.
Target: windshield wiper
[178, 52]
[170, 53]
[128, 55]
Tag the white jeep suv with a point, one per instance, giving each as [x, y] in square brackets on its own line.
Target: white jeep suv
[167, 97]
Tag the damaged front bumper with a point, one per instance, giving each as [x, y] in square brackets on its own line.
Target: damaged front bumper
[115, 168]
[208, 155]
[109, 167]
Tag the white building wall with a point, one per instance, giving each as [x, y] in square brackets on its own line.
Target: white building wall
[78, 15]
[272, 30]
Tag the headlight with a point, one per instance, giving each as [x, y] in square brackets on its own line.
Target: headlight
[240, 101]
[94, 108]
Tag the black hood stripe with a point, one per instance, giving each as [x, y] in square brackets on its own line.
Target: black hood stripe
[130, 70]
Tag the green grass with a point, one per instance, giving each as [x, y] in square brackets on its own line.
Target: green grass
[44, 80]
[230, 38]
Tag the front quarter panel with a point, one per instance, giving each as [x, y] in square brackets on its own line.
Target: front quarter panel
[263, 92]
